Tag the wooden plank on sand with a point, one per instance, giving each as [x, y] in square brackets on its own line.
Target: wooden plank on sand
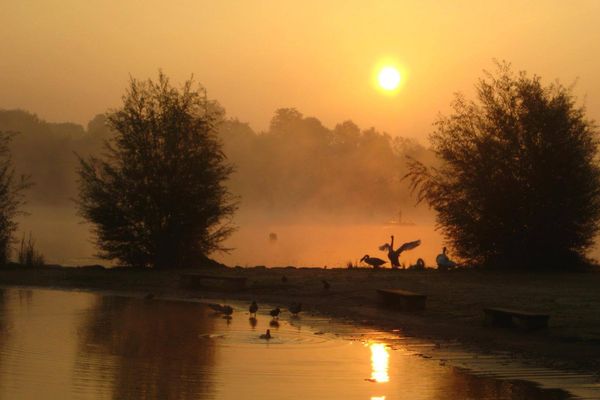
[506, 317]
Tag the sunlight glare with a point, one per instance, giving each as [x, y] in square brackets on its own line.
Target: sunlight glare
[379, 362]
[389, 78]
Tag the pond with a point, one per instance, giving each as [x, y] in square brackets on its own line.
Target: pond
[77, 345]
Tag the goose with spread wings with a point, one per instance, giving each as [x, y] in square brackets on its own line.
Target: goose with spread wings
[394, 255]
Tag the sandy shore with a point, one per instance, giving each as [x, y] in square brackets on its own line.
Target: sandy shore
[454, 304]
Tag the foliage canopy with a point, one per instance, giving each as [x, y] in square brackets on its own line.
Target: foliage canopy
[519, 182]
[158, 196]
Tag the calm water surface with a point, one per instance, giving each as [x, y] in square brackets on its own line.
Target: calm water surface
[74, 345]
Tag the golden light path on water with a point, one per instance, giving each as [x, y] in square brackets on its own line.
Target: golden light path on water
[73, 345]
[380, 361]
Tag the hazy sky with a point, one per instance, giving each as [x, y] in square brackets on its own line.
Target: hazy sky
[68, 60]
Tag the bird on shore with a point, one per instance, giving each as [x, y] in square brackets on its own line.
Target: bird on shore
[326, 285]
[275, 312]
[267, 335]
[394, 255]
[295, 309]
[253, 308]
[444, 262]
[284, 279]
[373, 261]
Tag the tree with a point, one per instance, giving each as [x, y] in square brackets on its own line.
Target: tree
[519, 183]
[158, 197]
[11, 196]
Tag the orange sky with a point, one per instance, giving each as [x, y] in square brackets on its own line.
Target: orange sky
[70, 59]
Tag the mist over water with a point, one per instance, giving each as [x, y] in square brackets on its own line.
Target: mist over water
[65, 239]
[329, 195]
[314, 244]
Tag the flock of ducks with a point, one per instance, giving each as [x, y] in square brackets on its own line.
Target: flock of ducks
[227, 311]
[296, 308]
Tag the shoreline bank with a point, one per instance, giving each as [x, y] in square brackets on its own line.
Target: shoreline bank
[454, 311]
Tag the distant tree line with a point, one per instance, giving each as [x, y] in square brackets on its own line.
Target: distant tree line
[296, 165]
[513, 175]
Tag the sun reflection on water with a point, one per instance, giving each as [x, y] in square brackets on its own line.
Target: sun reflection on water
[380, 359]
[377, 397]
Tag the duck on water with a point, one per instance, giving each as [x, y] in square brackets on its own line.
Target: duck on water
[266, 336]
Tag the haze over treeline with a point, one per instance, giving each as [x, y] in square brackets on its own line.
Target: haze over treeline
[297, 166]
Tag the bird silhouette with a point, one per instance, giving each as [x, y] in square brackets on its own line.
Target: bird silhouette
[295, 308]
[253, 308]
[284, 279]
[267, 335]
[275, 312]
[444, 262]
[326, 284]
[373, 261]
[394, 255]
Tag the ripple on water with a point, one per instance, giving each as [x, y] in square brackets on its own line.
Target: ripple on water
[107, 347]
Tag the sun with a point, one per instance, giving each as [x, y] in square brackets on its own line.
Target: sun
[389, 78]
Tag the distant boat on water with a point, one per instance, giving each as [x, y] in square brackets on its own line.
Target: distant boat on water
[400, 221]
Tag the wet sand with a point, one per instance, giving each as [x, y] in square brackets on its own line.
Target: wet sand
[454, 309]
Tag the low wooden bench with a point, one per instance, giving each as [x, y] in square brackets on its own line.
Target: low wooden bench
[402, 299]
[196, 281]
[509, 318]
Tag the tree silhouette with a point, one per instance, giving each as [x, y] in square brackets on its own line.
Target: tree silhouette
[158, 196]
[11, 196]
[519, 183]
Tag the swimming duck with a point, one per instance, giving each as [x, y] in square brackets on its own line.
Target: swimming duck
[275, 312]
[253, 308]
[266, 336]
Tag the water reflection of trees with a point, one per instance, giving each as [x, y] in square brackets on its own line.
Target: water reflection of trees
[147, 349]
